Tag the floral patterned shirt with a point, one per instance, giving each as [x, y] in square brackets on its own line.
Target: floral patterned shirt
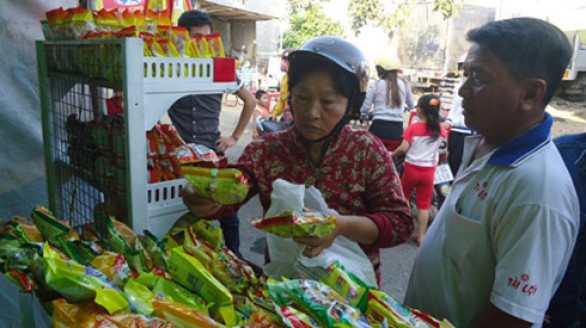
[356, 177]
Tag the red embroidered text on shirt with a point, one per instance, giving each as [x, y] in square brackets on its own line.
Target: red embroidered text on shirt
[522, 283]
[481, 188]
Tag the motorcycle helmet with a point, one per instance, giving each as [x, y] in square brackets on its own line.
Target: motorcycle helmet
[387, 62]
[346, 56]
[286, 52]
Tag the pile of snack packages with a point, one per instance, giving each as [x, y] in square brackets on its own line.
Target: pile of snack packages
[161, 38]
[187, 278]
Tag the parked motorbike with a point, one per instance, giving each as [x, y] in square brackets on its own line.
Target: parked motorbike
[266, 125]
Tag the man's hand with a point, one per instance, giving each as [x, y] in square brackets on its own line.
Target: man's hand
[198, 205]
[225, 143]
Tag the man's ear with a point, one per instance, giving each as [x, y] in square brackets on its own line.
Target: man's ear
[534, 92]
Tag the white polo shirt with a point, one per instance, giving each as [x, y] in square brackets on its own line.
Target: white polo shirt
[504, 234]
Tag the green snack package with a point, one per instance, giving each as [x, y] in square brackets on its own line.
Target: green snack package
[226, 186]
[80, 251]
[9, 246]
[50, 227]
[339, 279]
[232, 272]
[191, 274]
[155, 248]
[148, 279]
[140, 297]
[318, 300]
[290, 224]
[125, 241]
[79, 283]
[383, 307]
[169, 290]
[25, 230]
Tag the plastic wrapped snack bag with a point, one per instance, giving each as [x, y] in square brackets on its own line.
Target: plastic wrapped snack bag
[284, 251]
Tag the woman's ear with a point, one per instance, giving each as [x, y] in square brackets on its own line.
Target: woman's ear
[533, 93]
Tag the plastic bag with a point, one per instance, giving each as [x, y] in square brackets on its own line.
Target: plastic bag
[284, 252]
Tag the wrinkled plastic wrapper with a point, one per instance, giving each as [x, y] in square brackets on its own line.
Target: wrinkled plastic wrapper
[225, 186]
[125, 241]
[80, 283]
[284, 251]
[325, 306]
[182, 316]
[191, 274]
[291, 224]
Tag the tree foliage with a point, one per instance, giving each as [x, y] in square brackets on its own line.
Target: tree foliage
[308, 20]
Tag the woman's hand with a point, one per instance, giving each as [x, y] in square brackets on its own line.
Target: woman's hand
[314, 245]
[198, 205]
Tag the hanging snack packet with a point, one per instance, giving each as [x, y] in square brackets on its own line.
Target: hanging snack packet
[80, 283]
[180, 38]
[191, 274]
[226, 186]
[182, 316]
[125, 241]
[216, 49]
[290, 224]
[199, 155]
[82, 22]
[50, 227]
[200, 47]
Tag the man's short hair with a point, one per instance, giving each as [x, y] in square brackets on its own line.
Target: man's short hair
[528, 47]
[195, 18]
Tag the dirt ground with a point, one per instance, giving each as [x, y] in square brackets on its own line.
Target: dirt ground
[569, 117]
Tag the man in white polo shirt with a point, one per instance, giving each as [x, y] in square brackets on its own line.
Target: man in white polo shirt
[501, 242]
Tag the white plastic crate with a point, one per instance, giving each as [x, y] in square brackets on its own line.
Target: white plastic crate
[96, 163]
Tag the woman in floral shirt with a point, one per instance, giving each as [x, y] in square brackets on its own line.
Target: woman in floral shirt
[351, 168]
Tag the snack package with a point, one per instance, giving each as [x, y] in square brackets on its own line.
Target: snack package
[215, 45]
[21, 279]
[191, 274]
[203, 229]
[80, 283]
[125, 241]
[325, 306]
[232, 272]
[27, 231]
[168, 290]
[290, 224]
[226, 186]
[182, 316]
[294, 318]
[82, 252]
[50, 227]
[339, 279]
[199, 155]
[382, 307]
[140, 297]
[114, 266]
[155, 248]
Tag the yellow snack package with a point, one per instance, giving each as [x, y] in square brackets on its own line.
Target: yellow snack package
[191, 274]
[290, 224]
[215, 45]
[29, 230]
[182, 316]
[382, 307]
[226, 186]
[114, 266]
[169, 290]
[79, 283]
[125, 241]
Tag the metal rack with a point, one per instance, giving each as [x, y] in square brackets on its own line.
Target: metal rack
[95, 162]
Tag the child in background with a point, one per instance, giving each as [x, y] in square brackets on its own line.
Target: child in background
[421, 142]
[262, 110]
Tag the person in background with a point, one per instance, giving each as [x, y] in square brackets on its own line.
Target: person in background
[420, 145]
[197, 118]
[499, 247]
[282, 106]
[567, 308]
[390, 96]
[351, 168]
[261, 110]
[455, 120]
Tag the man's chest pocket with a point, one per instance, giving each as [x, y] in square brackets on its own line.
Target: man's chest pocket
[464, 237]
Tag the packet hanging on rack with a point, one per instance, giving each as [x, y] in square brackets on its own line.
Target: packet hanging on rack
[226, 186]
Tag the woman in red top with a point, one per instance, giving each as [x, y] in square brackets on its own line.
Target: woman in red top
[421, 142]
[352, 169]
